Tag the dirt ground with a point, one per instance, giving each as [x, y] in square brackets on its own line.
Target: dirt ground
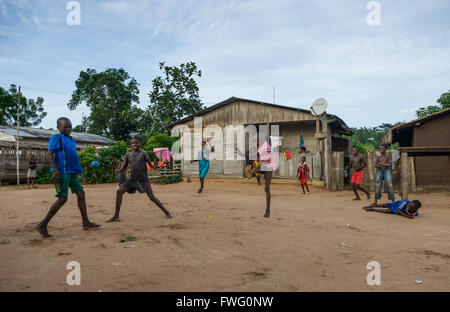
[219, 241]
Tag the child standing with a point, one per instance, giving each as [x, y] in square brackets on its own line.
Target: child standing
[63, 158]
[32, 165]
[302, 174]
[383, 164]
[138, 180]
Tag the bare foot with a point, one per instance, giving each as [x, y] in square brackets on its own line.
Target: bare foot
[267, 214]
[113, 219]
[169, 216]
[200, 190]
[43, 231]
[90, 225]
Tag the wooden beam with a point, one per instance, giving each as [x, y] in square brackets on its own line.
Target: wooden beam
[404, 176]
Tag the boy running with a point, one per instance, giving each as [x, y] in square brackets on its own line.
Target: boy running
[203, 163]
[138, 180]
[63, 158]
[405, 208]
[357, 163]
[302, 174]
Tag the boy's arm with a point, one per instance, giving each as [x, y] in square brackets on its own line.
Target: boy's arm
[51, 160]
[404, 214]
[377, 163]
[389, 162]
[123, 165]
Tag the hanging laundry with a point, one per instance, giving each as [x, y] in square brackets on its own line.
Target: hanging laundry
[287, 155]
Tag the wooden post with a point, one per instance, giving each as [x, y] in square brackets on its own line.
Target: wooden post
[327, 154]
[404, 175]
[412, 174]
[17, 139]
[317, 132]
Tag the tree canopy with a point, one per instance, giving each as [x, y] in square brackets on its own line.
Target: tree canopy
[110, 96]
[443, 101]
[174, 95]
[31, 111]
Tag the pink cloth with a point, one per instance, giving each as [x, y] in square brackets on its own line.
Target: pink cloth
[267, 156]
[162, 153]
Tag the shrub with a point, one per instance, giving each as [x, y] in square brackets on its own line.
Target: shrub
[43, 175]
[171, 179]
[108, 157]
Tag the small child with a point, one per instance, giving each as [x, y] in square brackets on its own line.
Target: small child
[138, 180]
[406, 208]
[32, 165]
[302, 174]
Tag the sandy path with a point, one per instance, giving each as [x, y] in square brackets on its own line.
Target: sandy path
[218, 241]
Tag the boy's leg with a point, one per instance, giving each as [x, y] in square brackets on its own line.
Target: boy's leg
[202, 181]
[61, 192]
[388, 184]
[267, 180]
[364, 190]
[119, 196]
[81, 199]
[378, 184]
[42, 226]
[354, 188]
[306, 185]
[303, 188]
[258, 178]
[381, 210]
[156, 201]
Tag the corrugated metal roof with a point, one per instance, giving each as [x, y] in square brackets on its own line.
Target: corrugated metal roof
[340, 123]
[36, 133]
[392, 135]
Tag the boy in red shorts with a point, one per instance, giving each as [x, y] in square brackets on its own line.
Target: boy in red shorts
[357, 164]
[302, 174]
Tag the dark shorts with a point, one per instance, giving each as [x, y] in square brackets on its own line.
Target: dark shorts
[267, 176]
[122, 179]
[133, 185]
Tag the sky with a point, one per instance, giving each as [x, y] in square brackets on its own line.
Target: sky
[369, 74]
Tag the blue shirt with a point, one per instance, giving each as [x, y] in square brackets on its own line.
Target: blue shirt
[66, 157]
[401, 204]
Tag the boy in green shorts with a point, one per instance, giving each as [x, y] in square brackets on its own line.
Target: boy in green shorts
[63, 158]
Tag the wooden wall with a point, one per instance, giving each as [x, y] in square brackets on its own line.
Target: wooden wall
[432, 170]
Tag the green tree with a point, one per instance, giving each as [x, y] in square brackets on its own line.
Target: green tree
[173, 96]
[84, 126]
[110, 96]
[443, 101]
[31, 111]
